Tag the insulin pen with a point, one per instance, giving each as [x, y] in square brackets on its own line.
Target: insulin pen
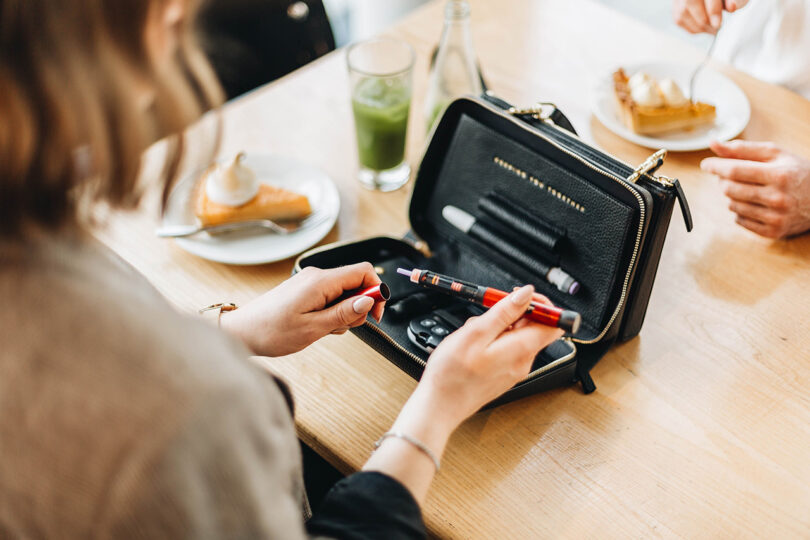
[488, 297]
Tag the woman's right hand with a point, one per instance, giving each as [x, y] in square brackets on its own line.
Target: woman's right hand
[471, 367]
[485, 357]
[696, 16]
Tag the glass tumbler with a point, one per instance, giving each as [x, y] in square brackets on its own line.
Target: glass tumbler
[380, 73]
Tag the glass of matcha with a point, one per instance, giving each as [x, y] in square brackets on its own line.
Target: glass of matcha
[380, 75]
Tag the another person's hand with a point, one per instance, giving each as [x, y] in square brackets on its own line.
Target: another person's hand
[696, 16]
[769, 188]
[293, 315]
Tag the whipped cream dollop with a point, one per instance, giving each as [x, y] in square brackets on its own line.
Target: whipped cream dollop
[231, 183]
[673, 95]
[647, 94]
[638, 79]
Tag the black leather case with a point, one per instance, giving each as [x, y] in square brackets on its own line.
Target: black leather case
[613, 219]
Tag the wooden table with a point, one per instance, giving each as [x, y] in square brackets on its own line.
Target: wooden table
[700, 427]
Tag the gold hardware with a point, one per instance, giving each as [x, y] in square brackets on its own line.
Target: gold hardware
[422, 247]
[222, 307]
[229, 306]
[542, 110]
[650, 163]
[664, 180]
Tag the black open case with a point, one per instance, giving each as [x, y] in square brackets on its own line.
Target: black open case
[611, 220]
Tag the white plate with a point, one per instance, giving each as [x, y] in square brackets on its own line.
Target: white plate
[260, 247]
[733, 108]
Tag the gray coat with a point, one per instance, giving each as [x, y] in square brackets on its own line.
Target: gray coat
[121, 418]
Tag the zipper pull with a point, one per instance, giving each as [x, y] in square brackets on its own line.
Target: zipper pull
[585, 379]
[682, 202]
[545, 112]
[417, 243]
[650, 165]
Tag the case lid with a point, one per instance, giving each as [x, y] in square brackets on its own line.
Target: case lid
[477, 153]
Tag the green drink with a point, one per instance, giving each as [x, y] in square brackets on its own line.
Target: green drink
[380, 76]
[381, 109]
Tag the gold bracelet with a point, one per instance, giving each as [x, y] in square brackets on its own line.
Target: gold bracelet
[223, 306]
[414, 441]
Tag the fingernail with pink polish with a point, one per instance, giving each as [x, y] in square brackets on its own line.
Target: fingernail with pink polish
[363, 305]
[522, 296]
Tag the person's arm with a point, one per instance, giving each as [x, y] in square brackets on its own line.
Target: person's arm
[368, 505]
[471, 367]
[768, 188]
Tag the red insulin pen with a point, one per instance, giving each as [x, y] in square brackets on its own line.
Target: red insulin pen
[488, 297]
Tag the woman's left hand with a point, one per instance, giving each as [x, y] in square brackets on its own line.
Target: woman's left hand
[292, 316]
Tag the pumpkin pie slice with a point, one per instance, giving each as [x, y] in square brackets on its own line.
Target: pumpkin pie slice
[231, 192]
[661, 117]
[270, 202]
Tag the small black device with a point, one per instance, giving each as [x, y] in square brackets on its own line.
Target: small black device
[427, 331]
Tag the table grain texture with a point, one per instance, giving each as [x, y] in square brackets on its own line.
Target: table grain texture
[700, 426]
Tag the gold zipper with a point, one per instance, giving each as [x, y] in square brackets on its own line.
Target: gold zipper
[540, 114]
[623, 182]
[396, 345]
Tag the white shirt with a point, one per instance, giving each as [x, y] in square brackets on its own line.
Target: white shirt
[769, 39]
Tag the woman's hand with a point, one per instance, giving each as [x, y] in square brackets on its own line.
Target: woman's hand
[696, 16]
[768, 188]
[485, 357]
[295, 314]
[471, 367]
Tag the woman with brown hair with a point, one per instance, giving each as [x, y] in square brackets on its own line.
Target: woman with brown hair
[122, 418]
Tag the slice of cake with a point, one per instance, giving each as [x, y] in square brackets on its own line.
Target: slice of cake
[650, 107]
[231, 192]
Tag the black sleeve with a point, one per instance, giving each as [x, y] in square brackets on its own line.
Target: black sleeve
[368, 505]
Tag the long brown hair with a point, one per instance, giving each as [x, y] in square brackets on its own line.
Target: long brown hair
[73, 123]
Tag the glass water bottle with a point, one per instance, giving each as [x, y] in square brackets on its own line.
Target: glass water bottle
[454, 72]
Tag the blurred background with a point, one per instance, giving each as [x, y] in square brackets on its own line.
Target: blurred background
[358, 19]
[252, 42]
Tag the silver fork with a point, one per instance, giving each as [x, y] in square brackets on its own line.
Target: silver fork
[702, 64]
[180, 231]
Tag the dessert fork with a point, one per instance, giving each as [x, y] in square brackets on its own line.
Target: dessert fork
[181, 231]
[702, 64]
